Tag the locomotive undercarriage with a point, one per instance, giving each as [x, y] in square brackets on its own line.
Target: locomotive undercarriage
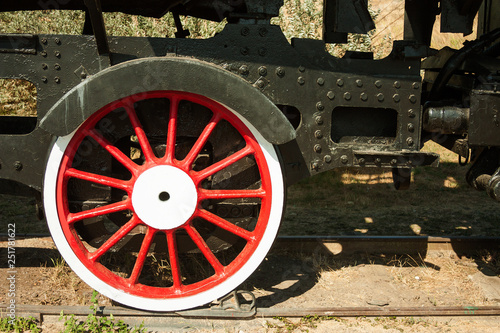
[227, 119]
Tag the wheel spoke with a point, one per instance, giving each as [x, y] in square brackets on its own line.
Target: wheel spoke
[200, 143]
[226, 225]
[230, 194]
[216, 167]
[114, 151]
[108, 209]
[202, 245]
[172, 130]
[141, 257]
[122, 232]
[141, 135]
[98, 179]
[174, 260]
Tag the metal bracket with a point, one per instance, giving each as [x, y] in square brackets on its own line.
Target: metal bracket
[97, 21]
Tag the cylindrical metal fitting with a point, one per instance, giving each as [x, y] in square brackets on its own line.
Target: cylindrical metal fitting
[446, 120]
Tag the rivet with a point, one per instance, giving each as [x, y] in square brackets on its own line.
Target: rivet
[260, 83]
[412, 98]
[262, 51]
[327, 159]
[44, 79]
[57, 67]
[320, 106]
[411, 127]
[83, 75]
[44, 40]
[396, 98]
[263, 32]
[57, 54]
[320, 81]
[244, 50]
[359, 83]
[57, 79]
[330, 95]
[340, 82]
[58, 41]
[315, 166]
[319, 120]
[44, 54]
[318, 134]
[301, 80]
[243, 70]
[378, 160]
[397, 84]
[245, 31]
[262, 71]
[280, 71]
[378, 83]
[45, 66]
[302, 69]
[415, 85]
[317, 148]
[361, 161]
[394, 161]
[344, 159]
[380, 97]
[411, 113]
[347, 96]
[363, 96]
[18, 166]
[409, 142]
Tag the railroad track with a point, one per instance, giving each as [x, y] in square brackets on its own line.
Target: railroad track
[243, 305]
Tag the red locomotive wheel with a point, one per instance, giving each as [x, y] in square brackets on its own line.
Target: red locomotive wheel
[164, 200]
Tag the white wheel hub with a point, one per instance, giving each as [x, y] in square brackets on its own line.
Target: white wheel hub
[164, 197]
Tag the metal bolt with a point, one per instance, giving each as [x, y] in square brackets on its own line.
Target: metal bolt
[57, 54]
[412, 98]
[57, 67]
[394, 162]
[44, 40]
[396, 98]
[363, 96]
[245, 31]
[57, 79]
[45, 66]
[320, 81]
[262, 51]
[302, 69]
[44, 79]
[327, 159]
[18, 166]
[57, 40]
[244, 50]
[378, 83]
[320, 106]
[344, 159]
[319, 120]
[409, 141]
[347, 96]
[361, 161]
[317, 148]
[411, 127]
[260, 84]
[262, 71]
[380, 97]
[315, 166]
[411, 113]
[340, 82]
[359, 83]
[280, 71]
[263, 32]
[378, 160]
[318, 134]
[397, 84]
[83, 75]
[415, 85]
[44, 54]
[243, 70]
[330, 95]
[301, 80]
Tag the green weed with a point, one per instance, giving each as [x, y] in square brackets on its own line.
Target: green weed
[19, 325]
